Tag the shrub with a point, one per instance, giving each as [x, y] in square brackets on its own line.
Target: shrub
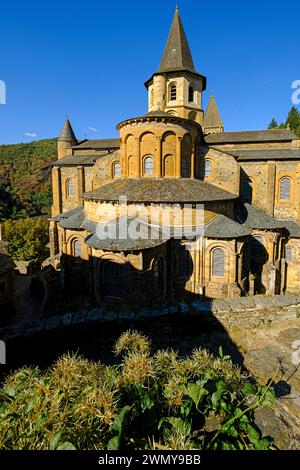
[158, 401]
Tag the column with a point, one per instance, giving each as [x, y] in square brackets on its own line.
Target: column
[271, 181]
[57, 190]
[193, 161]
[137, 157]
[123, 162]
[158, 162]
[80, 183]
[178, 157]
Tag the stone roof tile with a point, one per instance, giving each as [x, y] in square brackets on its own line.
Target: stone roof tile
[183, 190]
[271, 135]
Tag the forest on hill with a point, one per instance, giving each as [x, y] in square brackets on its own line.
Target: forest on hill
[25, 179]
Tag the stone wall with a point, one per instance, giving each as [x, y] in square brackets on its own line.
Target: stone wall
[225, 170]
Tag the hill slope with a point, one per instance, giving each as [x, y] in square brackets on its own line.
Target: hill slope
[25, 178]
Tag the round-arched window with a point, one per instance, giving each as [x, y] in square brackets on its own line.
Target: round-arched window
[173, 92]
[285, 189]
[218, 262]
[148, 165]
[77, 248]
[207, 166]
[69, 188]
[116, 170]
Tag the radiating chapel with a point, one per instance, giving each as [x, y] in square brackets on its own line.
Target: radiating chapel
[216, 213]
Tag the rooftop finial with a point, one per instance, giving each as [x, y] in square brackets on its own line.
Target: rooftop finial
[177, 8]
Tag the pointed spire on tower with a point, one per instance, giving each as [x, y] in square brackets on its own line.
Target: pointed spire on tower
[212, 119]
[177, 54]
[67, 134]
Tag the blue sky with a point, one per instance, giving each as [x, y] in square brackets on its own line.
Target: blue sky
[91, 58]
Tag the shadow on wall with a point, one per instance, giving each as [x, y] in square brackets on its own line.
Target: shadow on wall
[182, 331]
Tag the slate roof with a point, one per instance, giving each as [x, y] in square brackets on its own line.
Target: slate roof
[6, 264]
[266, 154]
[223, 227]
[142, 237]
[67, 133]
[152, 115]
[255, 218]
[158, 113]
[74, 221]
[66, 215]
[98, 144]
[212, 116]
[177, 54]
[75, 160]
[162, 190]
[272, 135]
[293, 228]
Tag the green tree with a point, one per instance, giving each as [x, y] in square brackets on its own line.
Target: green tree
[27, 239]
[273, 124]
[293, 119]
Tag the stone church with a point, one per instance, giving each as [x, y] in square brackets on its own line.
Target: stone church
[216, 213]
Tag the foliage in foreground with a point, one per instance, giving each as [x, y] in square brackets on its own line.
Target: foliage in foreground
[27, 239]
[147, 401]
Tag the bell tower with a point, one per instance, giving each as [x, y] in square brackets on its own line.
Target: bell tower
[176, 88]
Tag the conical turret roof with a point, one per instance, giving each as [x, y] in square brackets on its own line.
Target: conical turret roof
[67, 133]
[177, 54]
[212, 116]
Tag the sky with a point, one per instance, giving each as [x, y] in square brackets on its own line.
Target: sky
[89, 59]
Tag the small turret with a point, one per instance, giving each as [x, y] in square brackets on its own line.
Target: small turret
[66, 139]
[212, 120]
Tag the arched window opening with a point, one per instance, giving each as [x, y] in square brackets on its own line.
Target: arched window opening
[158, 280]
[151, 98]
[288, 255]
[148, 165]
[207, 166]
[258, 249]
[185, 167]
[247, 189]
[70, 188]
[184, 264]
[218, 262]
[116, 170]
[285, 189]
[191, 94]
[173, 92]
[113, 277]
[77, 249]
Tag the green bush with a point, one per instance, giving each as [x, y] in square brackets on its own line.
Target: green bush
[158, 401]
